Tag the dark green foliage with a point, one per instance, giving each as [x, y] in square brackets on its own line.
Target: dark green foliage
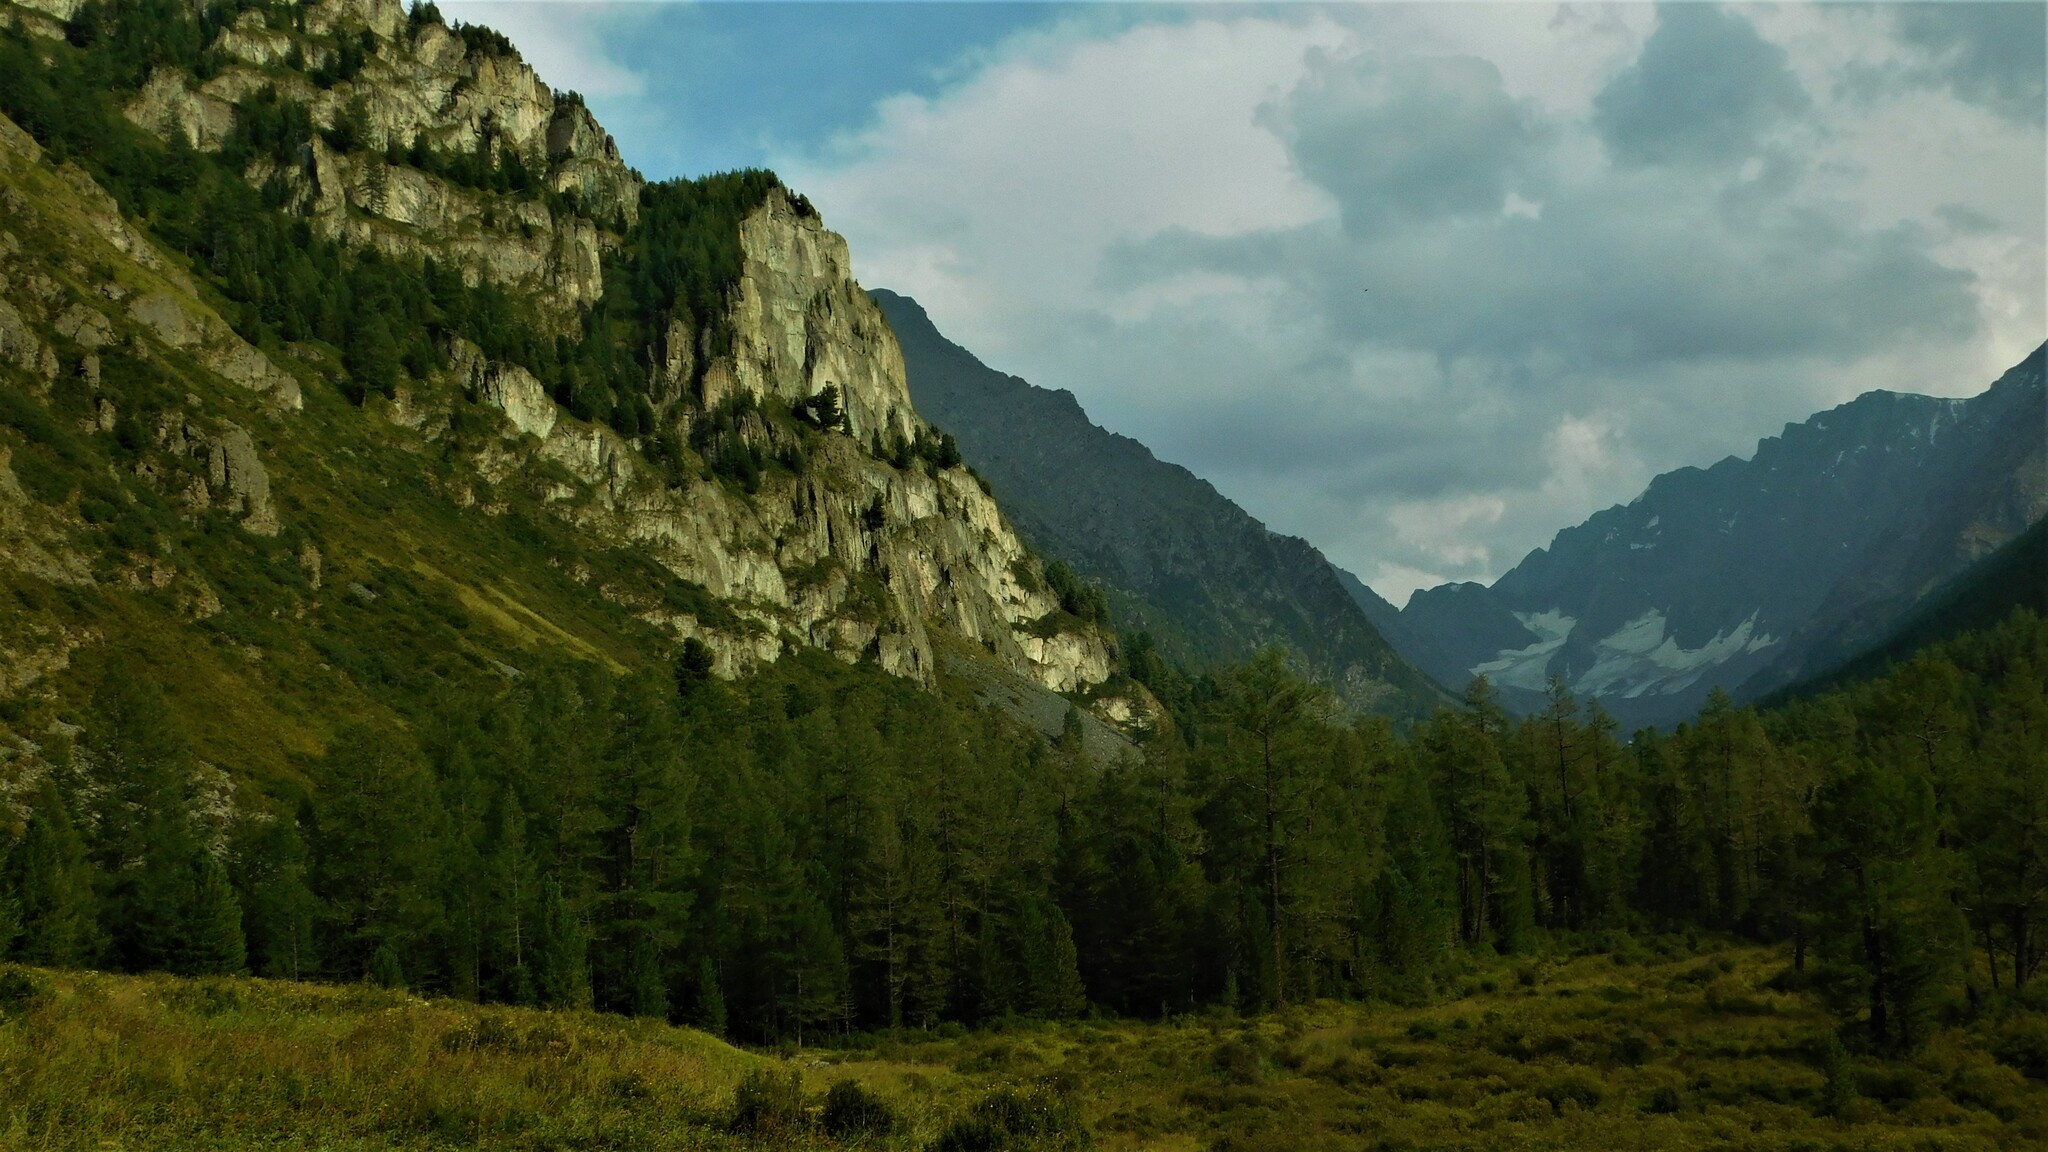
[822, 409]
[211, 942]
[561, 950]
[50, 880]
[1838, 1088]
[765, 1104]
[851, 1110]
[710, 1013]
[1037, 1117]
[1081, 600]
[279, 910]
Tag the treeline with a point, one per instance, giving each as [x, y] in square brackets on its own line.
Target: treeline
[825, 848]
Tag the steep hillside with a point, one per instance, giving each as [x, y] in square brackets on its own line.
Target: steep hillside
[2014, 577]
[327, 324]
[1756, 573]
[1209, 582]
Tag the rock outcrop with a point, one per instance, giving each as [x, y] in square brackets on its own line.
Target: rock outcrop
[850, 543]
[423, 85]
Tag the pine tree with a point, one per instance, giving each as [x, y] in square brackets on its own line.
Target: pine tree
[561, 966]
[210, 938]
[1890, 935]
[1267, 703]
[511, 892]
[138, 760]
[710, 1013]
[278, 907]
[52, 882]
[1055, 989]
[377, 852]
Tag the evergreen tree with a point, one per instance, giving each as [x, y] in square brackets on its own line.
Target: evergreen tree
[51, 881]
[209, 942]
[376, 852]
[561, 962]
[279, 909]
[1890, 935]
[143, 836]
[1268, 705]
[710, 1013]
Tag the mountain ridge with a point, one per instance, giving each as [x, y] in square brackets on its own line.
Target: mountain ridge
[1749, 574]
[1209, 581]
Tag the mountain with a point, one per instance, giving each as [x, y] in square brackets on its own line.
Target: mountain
[1985, 594]
[332, 337]
[1209, 582]
[1754, 574]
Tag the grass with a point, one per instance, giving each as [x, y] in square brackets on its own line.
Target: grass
[1639, 1050]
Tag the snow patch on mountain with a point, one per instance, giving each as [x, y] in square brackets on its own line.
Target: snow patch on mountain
[1641, 658]
[1530, 667]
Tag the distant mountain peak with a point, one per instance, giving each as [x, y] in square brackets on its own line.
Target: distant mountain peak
[1750, 573]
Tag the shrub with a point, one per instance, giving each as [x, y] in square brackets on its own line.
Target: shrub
[1238, 1062]
[1789, 979]
[1009, 1118]
[1838, 1090]
[2023, 1045]
[851, 1110]
[766, 1104]
[1632, 1049]
[1664, 1101]
[18, 992]
[1575, 1088]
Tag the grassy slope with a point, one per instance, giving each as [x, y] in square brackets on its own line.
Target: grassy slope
[266, 680]
[1651, 1050]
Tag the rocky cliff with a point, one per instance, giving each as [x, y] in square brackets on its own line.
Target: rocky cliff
[153, 402]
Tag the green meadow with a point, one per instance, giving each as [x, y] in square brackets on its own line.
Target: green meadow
[1663, 1044]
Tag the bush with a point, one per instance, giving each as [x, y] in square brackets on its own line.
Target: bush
[1632, 1049]
[1838, 1090]
[766, 1104]
[851, 1110]
[1789, 979]
[1238, 1062]
[1664, 1101]
[1577, 1089]
[1008, 1118]
[18, 992]
[2023, 1045]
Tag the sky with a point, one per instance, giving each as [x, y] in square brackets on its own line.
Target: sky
[1421, 283]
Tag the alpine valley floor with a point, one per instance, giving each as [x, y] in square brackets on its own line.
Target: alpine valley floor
[1661, 1043]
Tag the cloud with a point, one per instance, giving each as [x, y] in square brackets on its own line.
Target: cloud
[1427, 283]
[1704, 89]
[1403, 139]
[1988, 53]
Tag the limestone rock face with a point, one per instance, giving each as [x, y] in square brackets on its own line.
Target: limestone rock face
[801, 323]
[836, 547]
[236, 472]
[189, 326]
[426, 85]
[507, 387]
[166, 104]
